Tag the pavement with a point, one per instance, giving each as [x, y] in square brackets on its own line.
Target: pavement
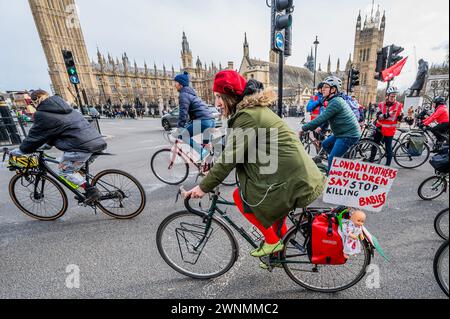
[119, 259]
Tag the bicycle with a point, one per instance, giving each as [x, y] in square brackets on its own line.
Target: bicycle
[402, 153]
[434, 186]
[440, 267]
[171, 165]
[36, 189]
[201, 245]
[441, 224]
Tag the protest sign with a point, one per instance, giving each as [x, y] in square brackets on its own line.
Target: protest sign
[359, 185]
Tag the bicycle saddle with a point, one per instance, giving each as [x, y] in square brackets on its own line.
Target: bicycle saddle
[102, 154]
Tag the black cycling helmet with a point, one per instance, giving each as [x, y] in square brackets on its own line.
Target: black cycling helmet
[439, 101]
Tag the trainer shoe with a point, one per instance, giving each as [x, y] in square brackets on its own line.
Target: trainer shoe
[267, 250]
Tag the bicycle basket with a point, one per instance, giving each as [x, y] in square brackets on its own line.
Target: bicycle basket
[440, 163]
[416, 144]
[23, 162]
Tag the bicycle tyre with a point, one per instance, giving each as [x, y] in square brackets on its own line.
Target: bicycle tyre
[19, 205]
[184, 167]
[437, 267]
[97, 181]
[291, 235]
[442, 216]
[231, 183]
[402, 152]
[200, 217]
[421, 191]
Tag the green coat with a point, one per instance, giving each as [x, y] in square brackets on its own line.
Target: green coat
[294, 182]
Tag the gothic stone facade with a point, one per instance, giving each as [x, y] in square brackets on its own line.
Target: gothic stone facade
[109, 81]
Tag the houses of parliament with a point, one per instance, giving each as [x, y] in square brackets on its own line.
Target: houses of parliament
[119, 81]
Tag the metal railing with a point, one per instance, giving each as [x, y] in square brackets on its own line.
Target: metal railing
[13, 130]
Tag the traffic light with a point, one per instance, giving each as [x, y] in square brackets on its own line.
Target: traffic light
[282, 21]
[394, 56]
[382, 61]
[71, 67]
[353, 79]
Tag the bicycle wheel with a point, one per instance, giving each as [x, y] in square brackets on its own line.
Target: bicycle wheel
[38, 196]
[405, 160]
[432, 188]
[169, 168]
[321, 278]
[123, 197]
[186, 247]
[440, 267]
[231, 180]
[363, 152]
[441, 224]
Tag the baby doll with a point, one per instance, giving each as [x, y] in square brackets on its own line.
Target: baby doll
[352, 233]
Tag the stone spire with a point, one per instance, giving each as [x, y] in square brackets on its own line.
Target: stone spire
[246, 47]
[349, 63]
[383, 21]
[358, 22]
[329, 64]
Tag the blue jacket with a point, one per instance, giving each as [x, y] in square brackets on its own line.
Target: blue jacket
[312, 105]
[192, 107]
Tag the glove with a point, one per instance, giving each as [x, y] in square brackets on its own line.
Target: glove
[16, 152]
[386, 116]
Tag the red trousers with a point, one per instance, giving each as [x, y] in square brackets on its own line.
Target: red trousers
[270, 234]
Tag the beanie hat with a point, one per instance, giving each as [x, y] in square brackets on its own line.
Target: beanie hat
[230, 82]
[183, 79]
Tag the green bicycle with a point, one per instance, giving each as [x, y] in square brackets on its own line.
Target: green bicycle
[202, 245]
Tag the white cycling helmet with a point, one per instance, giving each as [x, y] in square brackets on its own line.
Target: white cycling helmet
[334, 81]
[392, 90]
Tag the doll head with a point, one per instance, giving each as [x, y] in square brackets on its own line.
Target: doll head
[358, 218]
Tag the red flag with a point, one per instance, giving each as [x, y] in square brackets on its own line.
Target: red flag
[393, 71]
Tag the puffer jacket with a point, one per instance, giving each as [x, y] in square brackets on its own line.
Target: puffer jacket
[440, 116]
[192, 107]
[56, 123]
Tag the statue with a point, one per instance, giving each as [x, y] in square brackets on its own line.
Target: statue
[420, 80]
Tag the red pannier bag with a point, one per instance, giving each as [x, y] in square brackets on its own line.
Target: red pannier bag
[327, 247]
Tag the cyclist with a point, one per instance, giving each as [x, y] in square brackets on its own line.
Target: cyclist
[267, 194]
[442, 118]
[390, 114]
[57, 124]
[343, 122]
[195, 117]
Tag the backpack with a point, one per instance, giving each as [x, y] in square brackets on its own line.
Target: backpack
[440, 163]
[326, 247]
[416, 144]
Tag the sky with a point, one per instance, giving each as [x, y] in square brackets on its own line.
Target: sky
[151, 31]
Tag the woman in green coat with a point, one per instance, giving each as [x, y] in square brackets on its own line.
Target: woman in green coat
[275, 172]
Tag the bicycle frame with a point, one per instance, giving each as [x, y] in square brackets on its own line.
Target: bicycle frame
[308, 213]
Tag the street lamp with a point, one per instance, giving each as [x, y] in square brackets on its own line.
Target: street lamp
[316, 44]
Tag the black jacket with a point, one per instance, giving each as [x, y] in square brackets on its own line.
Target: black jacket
[58, 124]
[192, 107]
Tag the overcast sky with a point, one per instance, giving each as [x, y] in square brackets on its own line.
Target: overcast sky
[151, 30]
